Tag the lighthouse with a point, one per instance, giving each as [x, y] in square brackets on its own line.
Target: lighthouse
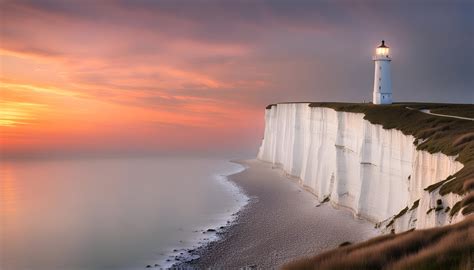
[382, 81]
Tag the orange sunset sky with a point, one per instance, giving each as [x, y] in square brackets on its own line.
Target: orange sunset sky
[116, 77]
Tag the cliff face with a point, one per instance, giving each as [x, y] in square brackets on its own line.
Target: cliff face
[375, 172]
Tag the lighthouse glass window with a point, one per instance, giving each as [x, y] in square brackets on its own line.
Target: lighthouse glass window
[381, 51]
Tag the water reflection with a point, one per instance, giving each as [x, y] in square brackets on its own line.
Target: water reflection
[8, 192]
[106, 214]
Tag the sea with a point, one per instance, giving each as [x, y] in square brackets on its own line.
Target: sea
[112, 213]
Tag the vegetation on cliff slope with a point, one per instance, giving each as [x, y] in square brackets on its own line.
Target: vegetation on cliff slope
[448, 247]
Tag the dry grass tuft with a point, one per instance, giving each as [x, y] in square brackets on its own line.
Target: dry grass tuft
[455, 209]
[466, 138]
[469, 209]
[468, 185]
[468, 199]
[468, 204]
[447, 247]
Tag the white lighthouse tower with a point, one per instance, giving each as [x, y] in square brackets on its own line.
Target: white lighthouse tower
[382, 81]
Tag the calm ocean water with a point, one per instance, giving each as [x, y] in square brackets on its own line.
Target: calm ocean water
[110, 213]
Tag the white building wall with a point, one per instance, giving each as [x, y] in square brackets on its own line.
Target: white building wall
[382, 93]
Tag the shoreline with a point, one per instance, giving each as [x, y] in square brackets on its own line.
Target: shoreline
[213, 231]
[282, 221]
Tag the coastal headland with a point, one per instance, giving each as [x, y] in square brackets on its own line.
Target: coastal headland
[328, 172]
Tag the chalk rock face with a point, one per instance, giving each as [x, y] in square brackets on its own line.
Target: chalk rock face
[375, 172]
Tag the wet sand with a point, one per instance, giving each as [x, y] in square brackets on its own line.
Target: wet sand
[282, 222]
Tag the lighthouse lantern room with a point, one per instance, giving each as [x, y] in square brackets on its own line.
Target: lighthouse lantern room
[382, 82]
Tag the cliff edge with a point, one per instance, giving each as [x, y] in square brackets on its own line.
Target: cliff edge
[402, 166]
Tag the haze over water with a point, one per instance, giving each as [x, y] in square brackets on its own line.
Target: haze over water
[109, 213]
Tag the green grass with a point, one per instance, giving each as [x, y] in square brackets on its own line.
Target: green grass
[447, 247]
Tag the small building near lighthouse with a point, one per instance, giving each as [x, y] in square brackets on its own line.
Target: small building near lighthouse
[382, 81]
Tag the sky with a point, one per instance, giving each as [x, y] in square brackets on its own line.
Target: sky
[194, 77]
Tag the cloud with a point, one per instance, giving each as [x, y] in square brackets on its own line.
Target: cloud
[215, 64]
[18, 113]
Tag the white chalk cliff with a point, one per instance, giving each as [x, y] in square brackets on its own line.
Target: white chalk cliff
[375, 172]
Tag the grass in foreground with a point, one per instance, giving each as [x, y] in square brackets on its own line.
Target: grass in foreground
[448, 247]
